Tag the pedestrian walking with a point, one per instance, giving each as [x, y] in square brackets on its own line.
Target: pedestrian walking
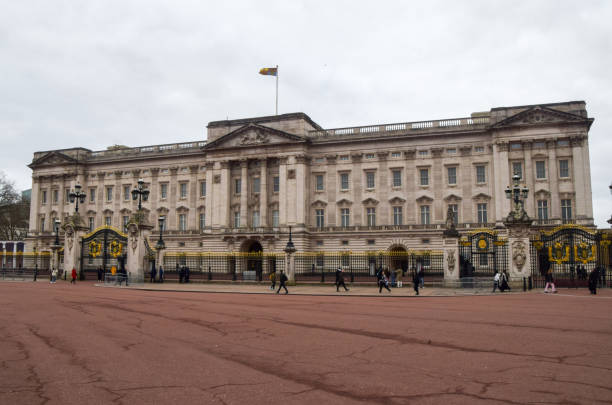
[421, 273]
[186, 275]
[496, 281]
[593, 279]
[54, 276]
[74, 276]
[272, 280]
[384, 282]
[161, 274]
[35, 273]
[282, 283]
[416, 281]
[100, 274]
[550, 281]
[340, 279]
[152, 278]
[503, 282]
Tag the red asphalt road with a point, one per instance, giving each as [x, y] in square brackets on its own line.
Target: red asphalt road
[63, 344]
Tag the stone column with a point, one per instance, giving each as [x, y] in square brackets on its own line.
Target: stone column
[136, 249]
[263, 193]
[282, 195]
[518, 251]
[210, 194]
[451, 257]
[300, 192]
[244, 193]
[499, 177]
[34, 205]
[74, 230]
[553, 182]
[357, 189]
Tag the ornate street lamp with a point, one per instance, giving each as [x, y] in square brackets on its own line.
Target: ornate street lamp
[517, 195]
[56, 226]
[290, 248]
[160, 243]
[77, 196]
[140, 193]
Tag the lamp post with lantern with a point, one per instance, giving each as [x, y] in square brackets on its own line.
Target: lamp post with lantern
[140, 193]
[76, 196]
[517, 195]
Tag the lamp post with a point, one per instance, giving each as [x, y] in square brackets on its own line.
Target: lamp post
[517, 195]
[140, 193]
[290, 250]
[77, 196]
[56, 226]
[160, 243]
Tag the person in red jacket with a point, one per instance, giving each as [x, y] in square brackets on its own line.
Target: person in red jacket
[73, 281]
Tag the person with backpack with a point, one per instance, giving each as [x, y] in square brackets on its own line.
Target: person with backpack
[272, 280]
[496, 281]
[340, 279]
[416, 281]
[282, 282]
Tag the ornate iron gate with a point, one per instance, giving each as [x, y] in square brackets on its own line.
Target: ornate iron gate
[105, 247]
[573, 252]
[482, 253]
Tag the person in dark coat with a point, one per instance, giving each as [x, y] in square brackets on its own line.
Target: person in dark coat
[152, 280]
[416, 281]
[282, 282]
[383, 282]
[74, 276]
[340, 279]
[100, 274]
[161, 274]
[181, 272]
[503, 282]
[186, 274]
[593, 279]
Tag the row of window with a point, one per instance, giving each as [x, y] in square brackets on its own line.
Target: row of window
[398, 215]
[541, 170]
[345, 215]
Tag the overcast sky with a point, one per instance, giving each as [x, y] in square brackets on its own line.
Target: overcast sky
[98, 73]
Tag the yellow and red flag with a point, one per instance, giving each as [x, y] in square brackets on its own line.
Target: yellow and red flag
[269, 71]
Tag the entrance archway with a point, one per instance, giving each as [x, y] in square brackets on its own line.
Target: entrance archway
[398, 256]
[253, 252]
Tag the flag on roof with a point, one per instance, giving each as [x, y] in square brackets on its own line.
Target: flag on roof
[268, 71]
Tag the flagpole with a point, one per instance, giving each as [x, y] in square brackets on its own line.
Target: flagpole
[276, 89]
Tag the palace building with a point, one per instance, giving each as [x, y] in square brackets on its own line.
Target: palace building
[370, 188]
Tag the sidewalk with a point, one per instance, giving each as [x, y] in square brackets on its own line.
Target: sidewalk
[305, 289]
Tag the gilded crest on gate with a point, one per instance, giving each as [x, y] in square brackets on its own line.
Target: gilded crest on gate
[558, 253]
[482, 244]
[585, 253]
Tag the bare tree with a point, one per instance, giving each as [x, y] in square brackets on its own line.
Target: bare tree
[14, 211]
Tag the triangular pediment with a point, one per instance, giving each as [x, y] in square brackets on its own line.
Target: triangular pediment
[253, 135]
[319, 203]
[541, 116]
[52, 159]
[396, 200]
[452, 197]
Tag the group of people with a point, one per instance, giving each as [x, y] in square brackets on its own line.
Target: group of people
[282, 281]
[500, 280]
[157, 275]
[183, 272]
[384, 275]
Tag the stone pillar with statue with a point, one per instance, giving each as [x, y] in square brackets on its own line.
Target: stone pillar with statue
[74, 230]
[139, 230]
[518, 224]
[451, 249]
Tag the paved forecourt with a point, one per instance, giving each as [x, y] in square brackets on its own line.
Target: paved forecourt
[67, 344]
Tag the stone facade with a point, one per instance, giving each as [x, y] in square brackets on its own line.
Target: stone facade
[363, 188]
